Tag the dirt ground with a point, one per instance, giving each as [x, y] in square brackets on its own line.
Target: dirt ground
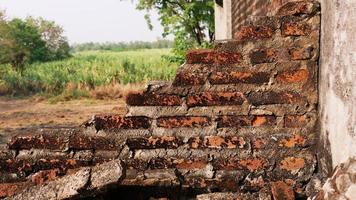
[31, 112]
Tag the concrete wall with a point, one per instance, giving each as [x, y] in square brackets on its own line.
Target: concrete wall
[337, 89]
[223, 21]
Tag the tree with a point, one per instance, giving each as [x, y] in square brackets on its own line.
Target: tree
[30, 40]
[190, 21]
[52, 34]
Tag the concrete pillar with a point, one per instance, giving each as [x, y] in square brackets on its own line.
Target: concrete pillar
[223, 21]
[336, 85]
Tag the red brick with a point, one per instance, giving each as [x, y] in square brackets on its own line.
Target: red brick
[215, 99]
[258, 143]
[61, 164]
[16, 166]
[190, 164]
[195, 142]
[210, 56]
[251, 32]
[187, 78]
[264, 120]
[295, 27]
[84, 142]
[297, 8]
[108, 122]
[293, 76]
[42, 141]
[239, 120]
[183, 121]
[271, 97]
[143, 99]
[226, 164]
[295, 121]
[166, 142]
[235, 77]
[295, 140]
[9, 189]
[282, 191]
[219, 142]
[301, 53]
[252, 164]
[45, 176]
[263, 56]
[292, 163]
[234, 121]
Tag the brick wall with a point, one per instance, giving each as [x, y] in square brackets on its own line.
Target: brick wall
[237, 118]
[242, 10]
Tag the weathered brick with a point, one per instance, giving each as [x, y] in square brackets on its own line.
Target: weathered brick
[292, 163]
[219, 142]
[234, 121]
[297, 8]
[187, 78]
[259, 143]
[137, 164]
[295, 121]
[84, 142]
[293, 141]
[160, 163]
[293, 76]
[61, 164]
[108, 122]
[251, 32]
[45, 176]
[166, 142]
[263, 56]
[295, 27]
[282, 191]
[271, 97]
[195, 142]
[16, 166]
[301, 53]
[190, 164]
[226, 164]
[144, 99]
[210, 56]
[9, 189]
[215, 99]
[183, 121]
[252, 164]
[264, 120]
[235, 77]
[42, 141]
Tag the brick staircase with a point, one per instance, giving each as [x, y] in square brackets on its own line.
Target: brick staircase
[239, 118]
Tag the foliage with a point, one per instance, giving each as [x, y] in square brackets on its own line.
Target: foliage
[122, 46]
[86, 71]
[190, 21]
[30, 40]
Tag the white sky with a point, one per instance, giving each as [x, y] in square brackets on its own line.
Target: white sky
[89, 20]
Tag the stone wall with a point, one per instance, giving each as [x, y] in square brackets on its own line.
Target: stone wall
[241, 117]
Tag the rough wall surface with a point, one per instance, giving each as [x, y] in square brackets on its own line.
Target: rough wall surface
[238, 118]
[341, 185]
[337, 88]
[242, 10]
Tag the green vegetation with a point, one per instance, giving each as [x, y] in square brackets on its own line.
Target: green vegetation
[191, 22]
[31, 40]
[87, 71]
[122, 46]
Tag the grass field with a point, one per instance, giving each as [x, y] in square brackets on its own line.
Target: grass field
[88, 74]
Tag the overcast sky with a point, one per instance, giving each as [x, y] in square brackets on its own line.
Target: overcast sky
[89, 20]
